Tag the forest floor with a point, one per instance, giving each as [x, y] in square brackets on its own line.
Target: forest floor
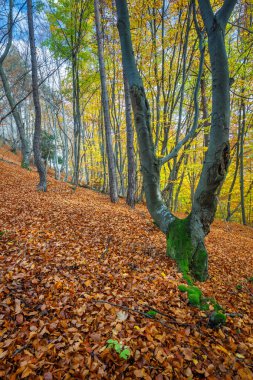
[68, 257]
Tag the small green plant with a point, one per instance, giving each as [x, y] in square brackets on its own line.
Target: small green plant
[1, 233]
[151, 313]
[250, 279]
[239, 286]
[123, 351]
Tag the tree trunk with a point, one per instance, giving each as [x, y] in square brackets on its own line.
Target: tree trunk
[65, 137]
[243, 121]
[217, 158]
[204, 111]
[149, 163]
[108, 133]
[36, 100]
[77, 118]
[20, 126]
[130, 200]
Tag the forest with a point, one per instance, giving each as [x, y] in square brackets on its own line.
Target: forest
[126, 182]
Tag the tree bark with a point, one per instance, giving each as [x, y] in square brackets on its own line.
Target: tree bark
[36, 100]
[76, 117]
[130, 200]
[204, 111]
[108, 133]
[243, 122]
[65, 137]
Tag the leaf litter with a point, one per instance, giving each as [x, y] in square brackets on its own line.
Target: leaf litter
[76, 271]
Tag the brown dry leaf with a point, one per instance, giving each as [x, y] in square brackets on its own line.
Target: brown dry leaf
[122, 315]
[187, 353]
[18, 309]
[96, 337]
[48, 376]
[27, 372]
[188, 372]
[139, 373]
[245, 374]
[20, 319]
[3, 354]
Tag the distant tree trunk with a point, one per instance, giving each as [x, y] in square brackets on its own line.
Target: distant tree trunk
[65, 163]
[185, 238]
[12, 103]
[20, 126]
[237, 164]
[108, 134]
[77, 118]
[130, 200]
[36, 100]
[243, 121]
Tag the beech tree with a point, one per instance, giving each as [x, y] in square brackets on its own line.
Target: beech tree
[36, 100]
[185, 237]
[105, 101]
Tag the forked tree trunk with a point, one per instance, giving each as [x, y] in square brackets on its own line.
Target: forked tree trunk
[36, 100]
[185, 238]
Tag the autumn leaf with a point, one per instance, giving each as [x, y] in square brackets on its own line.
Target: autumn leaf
[122, 315]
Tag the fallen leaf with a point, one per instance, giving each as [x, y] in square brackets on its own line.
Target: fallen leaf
[122, 315]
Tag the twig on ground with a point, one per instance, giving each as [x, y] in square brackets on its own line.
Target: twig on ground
[142, 313]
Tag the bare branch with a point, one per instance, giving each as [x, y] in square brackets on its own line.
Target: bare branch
[225, 11]
[10, 24]
[192, 132]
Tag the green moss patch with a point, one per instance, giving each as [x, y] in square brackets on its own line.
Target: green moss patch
[196, 299]
[190, 260]
[217, 319]
[179, 246]
[194, 294]
[24, 165]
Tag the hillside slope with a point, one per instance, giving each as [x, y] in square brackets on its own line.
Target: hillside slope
[68, 257]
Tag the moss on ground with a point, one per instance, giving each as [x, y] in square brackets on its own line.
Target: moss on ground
[194, 294]
[217, 319]
[196, 299]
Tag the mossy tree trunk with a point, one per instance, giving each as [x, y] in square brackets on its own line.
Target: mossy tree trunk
[189, 253]
[185, 238]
